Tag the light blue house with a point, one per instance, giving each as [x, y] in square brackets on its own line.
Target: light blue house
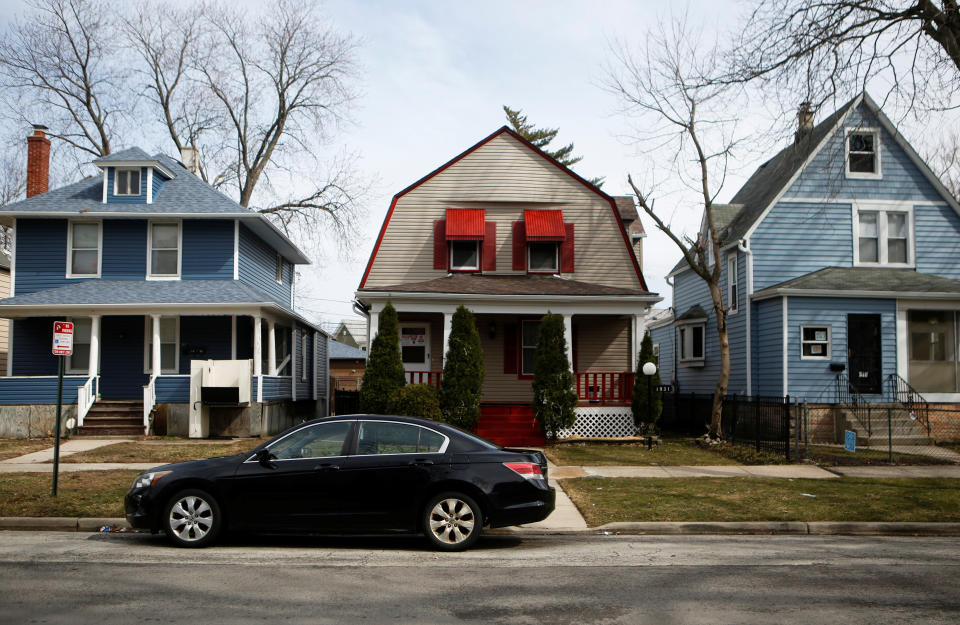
[840, 263]
[157, 270]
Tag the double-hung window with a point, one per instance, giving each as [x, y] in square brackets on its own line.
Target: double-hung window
[528, 347]
[126, 182]
[815, 342]
[691, 343]
[163, 254]
[84, 243]
[863, 153]
[883, 235]
[733, 292]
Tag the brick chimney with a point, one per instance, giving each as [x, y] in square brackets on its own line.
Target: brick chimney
[804, 122]
[38, 161]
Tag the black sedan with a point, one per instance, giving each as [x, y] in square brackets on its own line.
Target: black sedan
[349, 474]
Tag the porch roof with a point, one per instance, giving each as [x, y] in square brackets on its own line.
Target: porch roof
[866, 282]
[530, 284]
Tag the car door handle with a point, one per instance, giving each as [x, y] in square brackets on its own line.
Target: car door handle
[420, 462]
[327, 466]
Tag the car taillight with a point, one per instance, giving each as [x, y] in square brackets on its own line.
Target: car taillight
[529, 470]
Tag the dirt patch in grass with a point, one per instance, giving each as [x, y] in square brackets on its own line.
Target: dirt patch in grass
[161, 452]
[838, 457]
[80, 494]
[670, 452]
[604, 500]
[13, 447]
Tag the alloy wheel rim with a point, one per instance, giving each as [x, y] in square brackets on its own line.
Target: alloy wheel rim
[191, 518]
[452, 521]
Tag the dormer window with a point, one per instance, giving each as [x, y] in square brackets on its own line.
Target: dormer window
[863, 153]
[464, 255]
[127, 182]
[543, 257]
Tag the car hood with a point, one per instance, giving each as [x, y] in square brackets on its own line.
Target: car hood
[206, 464]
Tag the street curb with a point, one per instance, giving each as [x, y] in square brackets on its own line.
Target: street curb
[60, 524]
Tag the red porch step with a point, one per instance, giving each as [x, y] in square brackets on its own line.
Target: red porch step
[510, 425]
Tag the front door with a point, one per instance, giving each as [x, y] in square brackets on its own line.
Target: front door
[121, 358]
[864, 353]
[415, 346]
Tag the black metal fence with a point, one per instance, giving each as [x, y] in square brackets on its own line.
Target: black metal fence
[762, 423]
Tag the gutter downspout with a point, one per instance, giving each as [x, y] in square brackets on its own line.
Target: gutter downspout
[744, 246]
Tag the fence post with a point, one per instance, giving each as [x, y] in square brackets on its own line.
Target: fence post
[786, 413]
[756, 423]
[806, 431]
[796, 431]
[890, 434]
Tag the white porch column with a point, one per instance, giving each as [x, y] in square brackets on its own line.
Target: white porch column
[568, 336]
[257, 348]
[155, 361]
[233, 337]
[447, 326]
[372, 324]
[639, 327]
[93, 366]
[271, 347]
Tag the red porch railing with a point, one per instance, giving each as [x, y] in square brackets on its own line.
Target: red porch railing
[605, 387]
[423, 377]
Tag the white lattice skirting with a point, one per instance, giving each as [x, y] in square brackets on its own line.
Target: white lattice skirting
[601, 422]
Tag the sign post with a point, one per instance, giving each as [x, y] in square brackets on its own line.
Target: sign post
[62, 346]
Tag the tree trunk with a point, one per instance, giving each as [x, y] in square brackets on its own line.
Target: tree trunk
[724, 378]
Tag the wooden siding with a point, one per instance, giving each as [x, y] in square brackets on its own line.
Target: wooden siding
[14, 391]
[798, 238]
[210, 335]
[258, 267]
[767, 347]
[173, 389]
[812, 379]
[937, 232]
[503, 177]
[208, 250]
[603, 343]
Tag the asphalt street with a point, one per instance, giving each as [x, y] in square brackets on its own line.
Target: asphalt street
[51, 577]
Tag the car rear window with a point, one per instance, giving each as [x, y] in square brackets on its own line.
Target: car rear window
[384, 437]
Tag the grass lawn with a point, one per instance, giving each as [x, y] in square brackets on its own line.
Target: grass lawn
[669, 452]
[160, 452]
[604, 500]
[13, 447]
[85, 493]
[837, 457]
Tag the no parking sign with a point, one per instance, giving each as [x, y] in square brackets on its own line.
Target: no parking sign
[62, 338]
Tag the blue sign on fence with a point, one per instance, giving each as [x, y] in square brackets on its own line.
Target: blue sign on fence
[850, 440]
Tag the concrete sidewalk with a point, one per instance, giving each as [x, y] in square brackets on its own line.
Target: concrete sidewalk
[67, 448]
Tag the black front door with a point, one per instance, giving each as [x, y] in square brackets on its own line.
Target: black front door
[864, 353]
[121, 358]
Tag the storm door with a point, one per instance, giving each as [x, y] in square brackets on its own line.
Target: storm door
[415, 346]
[864, 353]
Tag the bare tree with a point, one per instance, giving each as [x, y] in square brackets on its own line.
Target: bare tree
[56, 67]
[944, 159]
[818, 49]
[13, 185]
[683, 126]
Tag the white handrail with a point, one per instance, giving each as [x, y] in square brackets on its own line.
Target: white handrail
[149, 401]
[86, 396]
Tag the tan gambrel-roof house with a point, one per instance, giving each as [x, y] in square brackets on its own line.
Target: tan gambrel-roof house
[511, 234]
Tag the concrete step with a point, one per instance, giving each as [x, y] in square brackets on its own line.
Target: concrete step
[102, 431]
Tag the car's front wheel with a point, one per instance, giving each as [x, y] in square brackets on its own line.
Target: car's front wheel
[192, 518]
[452, 521]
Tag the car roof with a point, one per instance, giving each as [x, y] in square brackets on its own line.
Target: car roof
[379, 417]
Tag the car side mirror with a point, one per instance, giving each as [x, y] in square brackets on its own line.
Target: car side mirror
[264, 457]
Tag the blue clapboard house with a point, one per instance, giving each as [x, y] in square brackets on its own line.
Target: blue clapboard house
[157, 270]
[840, 262]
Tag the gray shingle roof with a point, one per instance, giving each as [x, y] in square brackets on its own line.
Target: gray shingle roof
[530, 284]
[102, 292]
[723, 214]
[852, 280]
[694, 312]
[339, 350]
[130, 154]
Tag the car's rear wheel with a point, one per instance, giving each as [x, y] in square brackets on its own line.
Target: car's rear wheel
[192, 518]
[452, 521]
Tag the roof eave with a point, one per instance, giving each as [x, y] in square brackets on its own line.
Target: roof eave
[771, 293]
[652, 297]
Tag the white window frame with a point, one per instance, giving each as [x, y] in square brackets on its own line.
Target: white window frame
[828, 342]
[556, 257]
[70, 273]
[453, 267]
[685, 342]
[733, 284]
[69, 366]
[876, 175]
[882, 209]
[148, 341]
[150, 224]
[303, 356]
[116, 177]
[279, 275]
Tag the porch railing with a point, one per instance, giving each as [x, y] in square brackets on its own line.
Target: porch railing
[86, 397]
[149, 401]
[853, 401]
[431, 378]
[605, 387]
[904, 394]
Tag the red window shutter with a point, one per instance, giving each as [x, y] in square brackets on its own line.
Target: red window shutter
[440, 244]
[519, 246]
[490, 246]
[510, 349]
[566, 250]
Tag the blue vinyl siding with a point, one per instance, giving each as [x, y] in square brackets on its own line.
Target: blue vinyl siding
[203, 338]
[258, 267]
[41, 255]
[797, 238]
[937, 234]
[173, 389]
[321, 364]
[305, 388]
[14, 391]
[664, 337]
[812, 379]
[276, 387]
[689, 290]
[126, 199]
[124, 249]
[767, 346]
[207, 250]
[825, 175]
[158, 181]
[736, 326]
[32, 342]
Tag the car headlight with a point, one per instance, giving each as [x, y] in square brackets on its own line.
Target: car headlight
[145, 480]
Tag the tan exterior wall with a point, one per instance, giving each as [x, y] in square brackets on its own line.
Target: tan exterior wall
[503, 177]
[603, 343]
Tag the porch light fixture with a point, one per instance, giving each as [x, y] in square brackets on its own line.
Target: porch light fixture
[492, 329]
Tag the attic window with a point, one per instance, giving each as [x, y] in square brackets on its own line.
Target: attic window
[863, 153]
[127, 182]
